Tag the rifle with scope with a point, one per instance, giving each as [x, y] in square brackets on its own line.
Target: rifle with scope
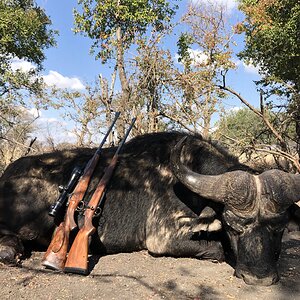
[77, 261]
[56, 253]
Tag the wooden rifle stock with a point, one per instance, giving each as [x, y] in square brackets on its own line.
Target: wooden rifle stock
[56, 254]
[77, 261]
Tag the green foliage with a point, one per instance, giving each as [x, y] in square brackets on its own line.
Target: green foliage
[204, 50]
[244, 126]
[184, 42]
[99, 20]
[272, 30]
[24, 34]
[23, 30]
[242, 129]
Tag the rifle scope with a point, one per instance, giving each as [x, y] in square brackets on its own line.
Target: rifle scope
[65, 191]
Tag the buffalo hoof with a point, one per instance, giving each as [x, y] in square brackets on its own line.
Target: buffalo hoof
[8, 256]
[11, 250]
[213, 252]
[251, 279]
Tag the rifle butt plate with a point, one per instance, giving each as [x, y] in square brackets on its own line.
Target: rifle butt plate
[50, 265]
[76, 270]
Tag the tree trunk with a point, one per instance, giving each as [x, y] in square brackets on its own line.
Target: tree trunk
[206, 115]
[123, 79]
[297, 123]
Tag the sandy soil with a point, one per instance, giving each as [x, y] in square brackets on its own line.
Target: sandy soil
[141, 276]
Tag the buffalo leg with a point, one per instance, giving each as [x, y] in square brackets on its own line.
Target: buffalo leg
[202, 249]
[11, 249]
[186, 247]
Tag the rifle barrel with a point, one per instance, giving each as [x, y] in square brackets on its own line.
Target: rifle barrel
[108, 132]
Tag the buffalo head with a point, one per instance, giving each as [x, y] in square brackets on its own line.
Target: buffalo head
[254, 216]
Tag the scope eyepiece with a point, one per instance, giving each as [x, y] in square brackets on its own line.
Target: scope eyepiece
[54, 209]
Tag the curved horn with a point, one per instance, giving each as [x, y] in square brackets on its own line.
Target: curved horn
[282, 188]
[235, 189]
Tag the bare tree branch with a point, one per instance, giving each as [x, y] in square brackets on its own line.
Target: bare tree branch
[262, 114]
[18, 143]
[284, 154]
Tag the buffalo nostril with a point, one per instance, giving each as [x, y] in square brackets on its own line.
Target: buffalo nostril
[247, 279]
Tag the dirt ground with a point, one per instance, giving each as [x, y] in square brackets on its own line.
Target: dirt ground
[141, 276]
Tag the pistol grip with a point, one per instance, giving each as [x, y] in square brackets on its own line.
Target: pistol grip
[73, 225]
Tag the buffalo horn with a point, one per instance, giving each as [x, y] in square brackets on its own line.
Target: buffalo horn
[281, 187]
[234, 189]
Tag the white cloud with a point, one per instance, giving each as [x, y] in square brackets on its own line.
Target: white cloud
[229, 4]
[34, 112]
[52, 79]
[197, 56]
[234, 109]
[41, 116]
[250, 68]
[51, 121]
[22, 65]
[51, 127]
[56, 79]
[31, 112]
[42, 119]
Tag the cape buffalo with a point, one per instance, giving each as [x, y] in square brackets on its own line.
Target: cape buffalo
[172, 194]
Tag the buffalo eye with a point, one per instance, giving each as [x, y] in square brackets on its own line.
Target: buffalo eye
[234, 222]
[276, 223]
[276, 228]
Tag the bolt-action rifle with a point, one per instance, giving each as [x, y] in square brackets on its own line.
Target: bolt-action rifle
[77, 261]
[56, 253]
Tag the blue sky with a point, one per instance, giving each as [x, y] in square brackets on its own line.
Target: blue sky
[70, 64]
[71, 57]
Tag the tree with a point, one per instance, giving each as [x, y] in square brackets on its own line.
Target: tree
[272, 39]
[88, 110]
[243, 129]
[272, 31]
[114, 25]
[250, 130]
[24, 34]
[152, 68]
[202, 66]
[16, 126]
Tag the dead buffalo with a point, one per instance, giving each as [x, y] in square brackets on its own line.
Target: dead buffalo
[169, 195]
